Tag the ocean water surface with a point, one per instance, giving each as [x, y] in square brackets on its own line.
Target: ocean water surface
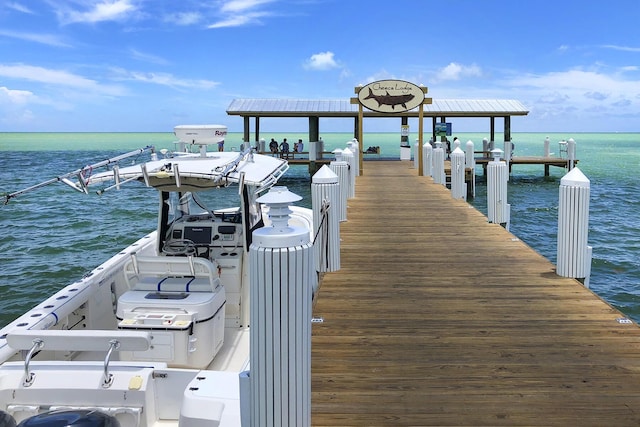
[55, 235]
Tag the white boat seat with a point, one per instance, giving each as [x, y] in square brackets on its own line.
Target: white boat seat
[171, 274]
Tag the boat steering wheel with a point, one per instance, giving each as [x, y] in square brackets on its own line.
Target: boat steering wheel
[179, 247]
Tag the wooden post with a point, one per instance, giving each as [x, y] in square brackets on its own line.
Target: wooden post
[247, 126]
[358, 129]
[492, 131]
[507, 128]
[360, 137]
[257, 131]
[419, 155]
[434, 120]
[314, 128]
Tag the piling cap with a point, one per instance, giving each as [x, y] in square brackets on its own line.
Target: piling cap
[279, 194]
[280, 234]
[324, 176]
[497, 154]
[575, 178]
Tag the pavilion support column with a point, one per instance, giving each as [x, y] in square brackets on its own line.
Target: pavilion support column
[434, 120]
[418, 155]
[257, 131]
[356, 130]
[507, 128]
[492, 129]
[314, 128]
[247, 128]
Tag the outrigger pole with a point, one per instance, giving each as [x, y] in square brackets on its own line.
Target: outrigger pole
[80, 173]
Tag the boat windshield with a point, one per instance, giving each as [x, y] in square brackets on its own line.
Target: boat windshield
[185, 204]
[223, 203]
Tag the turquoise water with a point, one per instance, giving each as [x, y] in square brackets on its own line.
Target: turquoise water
[55, 235]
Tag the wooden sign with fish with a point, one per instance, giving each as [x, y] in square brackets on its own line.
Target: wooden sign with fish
[391, 96]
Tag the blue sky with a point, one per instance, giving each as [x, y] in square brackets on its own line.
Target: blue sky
[148, 65]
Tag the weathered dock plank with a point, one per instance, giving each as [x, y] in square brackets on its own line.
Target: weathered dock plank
[439, 318]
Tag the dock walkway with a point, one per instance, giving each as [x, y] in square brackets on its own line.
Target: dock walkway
[438, 318]
[547, 162]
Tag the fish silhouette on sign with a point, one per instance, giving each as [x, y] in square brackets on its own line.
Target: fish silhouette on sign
[391, 100]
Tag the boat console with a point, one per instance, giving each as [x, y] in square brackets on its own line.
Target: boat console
[217, 237]
[205, 235]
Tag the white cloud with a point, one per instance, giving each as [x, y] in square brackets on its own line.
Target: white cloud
[621, 48]
[321, 61]
[236, 6]
[598, 96]
[15, 97]
[58, 78]
[19, 7]
[237, 13]
[184, 18]
[163, 79]
[630, 68]
[147, 57]
[575, 96]
[455, 71]
[576, 81]
[13, 101]
[240, 20]
[105, 10]
[46, 39]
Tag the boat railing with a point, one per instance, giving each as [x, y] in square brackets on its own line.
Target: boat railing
[164, 273]
[72, 340]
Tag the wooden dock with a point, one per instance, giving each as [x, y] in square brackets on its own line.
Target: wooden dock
[438, 318]
[547, 162]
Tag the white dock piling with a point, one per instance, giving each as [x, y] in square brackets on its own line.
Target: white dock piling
[573, 257]
[571, 153]
[325, 196]
[313, 151]
[282, 271]
[508, 148]
[438, 165]
[498, 210]
[348, 157]
[547, 150]
[352, 146]
[427, 159]
[341, 169]
[458, 185]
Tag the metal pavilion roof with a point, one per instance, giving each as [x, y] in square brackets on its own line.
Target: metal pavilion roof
[344, 108]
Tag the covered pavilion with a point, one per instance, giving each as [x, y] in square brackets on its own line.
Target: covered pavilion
[439, 111]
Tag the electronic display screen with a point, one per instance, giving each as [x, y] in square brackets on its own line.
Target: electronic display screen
[198, 235]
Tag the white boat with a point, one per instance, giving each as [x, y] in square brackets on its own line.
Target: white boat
[159, 334]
